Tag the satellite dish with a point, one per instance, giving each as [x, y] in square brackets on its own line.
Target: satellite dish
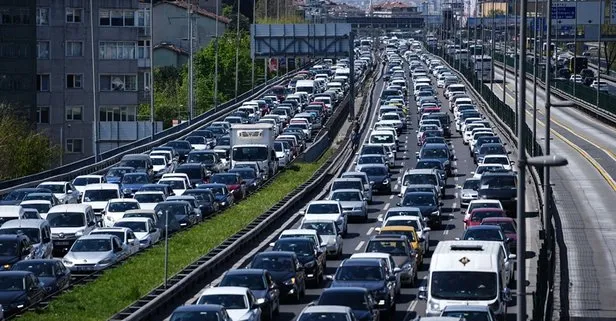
[117, 83]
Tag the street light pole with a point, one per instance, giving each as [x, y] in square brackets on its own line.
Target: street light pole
[252, 67]
[216, 58]
[516, 58]
[504, 51]
[190, 63]
[237, 50]
[166, 247]
[151, 80]
[534, 131]
[94, 91]
[492, 48]
[599, 56]
[521, 202]
[548, 101]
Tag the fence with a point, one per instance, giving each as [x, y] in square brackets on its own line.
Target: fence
[542, 297]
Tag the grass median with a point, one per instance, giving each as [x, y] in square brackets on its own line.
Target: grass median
[119, 287]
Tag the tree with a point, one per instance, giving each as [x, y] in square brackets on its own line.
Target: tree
[496, 13]
[609, 52]
[231, 13]
[23, 151]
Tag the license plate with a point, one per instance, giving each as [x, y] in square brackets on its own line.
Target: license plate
[62, 243]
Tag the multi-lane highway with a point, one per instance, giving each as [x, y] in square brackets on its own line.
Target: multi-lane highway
[408, 305]
[585, 194]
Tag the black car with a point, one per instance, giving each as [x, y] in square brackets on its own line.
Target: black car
[218, 132]
[16, 196]
[205, 199]
[210, 138]
[262, 285]
[51, 272]
[13, 248]
[166, 189]
[182, 147]
[308, 253]
[207, 158]
[286, 271]
[500, 186]
[222, 195]
[489, 149]
[358, 299]
[379, 177]
[197, 173]
[250, 176]
[19, 290]
[178, 217]
[427, 203]
[484, 140]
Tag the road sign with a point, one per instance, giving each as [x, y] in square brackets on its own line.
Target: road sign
[561, 12]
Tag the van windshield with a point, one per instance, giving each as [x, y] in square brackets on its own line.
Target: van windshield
[66, 219]
[457, 285]
[381, 139]
[100, 195]
[414, 179]
[32, 233]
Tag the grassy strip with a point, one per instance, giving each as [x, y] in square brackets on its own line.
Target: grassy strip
[125, 284]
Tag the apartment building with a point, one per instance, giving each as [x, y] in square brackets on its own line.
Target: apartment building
[92, 67]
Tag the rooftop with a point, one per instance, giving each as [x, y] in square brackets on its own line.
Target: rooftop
[196, 9]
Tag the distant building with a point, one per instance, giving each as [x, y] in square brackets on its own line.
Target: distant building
[171, 46]
[394, 9]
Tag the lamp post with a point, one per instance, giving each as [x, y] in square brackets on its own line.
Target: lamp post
[504, 50]
[151, 80]
[190, 63]
[216, 58]
[534, 131]
[237, 50]
[252, 67]
[94, 91]
[599, 57]
[492, 48]
[166, 263]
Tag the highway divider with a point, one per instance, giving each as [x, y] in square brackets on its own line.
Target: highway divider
[109, 158]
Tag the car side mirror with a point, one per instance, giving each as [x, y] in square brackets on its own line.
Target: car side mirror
[329, 277]
[422, 294]
[397, 270]
[272, 244]
[511, 163]
[427, 229]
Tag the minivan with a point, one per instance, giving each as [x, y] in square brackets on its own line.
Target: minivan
[37, 230]
[69, 222]
[97, 195]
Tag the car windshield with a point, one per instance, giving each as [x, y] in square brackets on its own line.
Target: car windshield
[390, 117]
[419, 200]
[54, 188]
[248, 154]
[174, 183]
[478, 216]
[343, 184]
[249, 280]
[172, 208]
[359, 273]
[498, 182]
[417, 179]
[507, 227]
[428, 165]
[91, 245]
[40, 269]
[158, 161]
[360, 176]
[371, 160]
[409, 235]
[196, 140]
[12, 283]
[471, 184]
[224, 179]
[116, 207]
[322, 228]
[488, 168]
[136, 227]
[38, 196]
[245, 174]
[8, 248]
[218, 190]
[375, 171]
[300, 248]
[83, 181]
[194, 316]
[100, 195]
[323, 316]
[468, 315]
[346, 196]
[119, 234]
[32, 213]
[41, 208]
[434, 153]
[372, 150]
[496, 160]
[395, 248]
[149, 198]
[31, 233]
[179, 145]
[353, 300]
[489, 150]
[323, 209]
[134, 179]
[224, 141]
[484, 235]
[273, 264]
[229, 301]
[134, 163]
[464, 285]
[204, 158]
[381, 139]
[66, 219]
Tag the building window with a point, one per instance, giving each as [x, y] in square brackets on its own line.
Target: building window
[42, 50]
[73, 15]
[42, 114]
[74, 112]
[74, 49]
[15, 82]
[143, 49]
[143, 18]
[42, 82]
[117, 50]
[118, 113]
[117, 18]
[14, 50]
[74, 81]
[74, 145]
[146, 81]
[118, 82]
[42, 16]
[14, 16]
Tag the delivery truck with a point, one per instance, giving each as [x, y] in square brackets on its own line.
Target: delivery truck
[252, 143]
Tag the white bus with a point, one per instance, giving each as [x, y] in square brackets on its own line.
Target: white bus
[467, 273]
[482, 65]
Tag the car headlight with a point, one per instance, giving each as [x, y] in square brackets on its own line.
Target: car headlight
[290, 281]
[435, 213]
[223, 203]
[466, 195]
[67, 262]
[435, 306]
[385, 181]
[6, 266]
[79, 233]
[260, 300]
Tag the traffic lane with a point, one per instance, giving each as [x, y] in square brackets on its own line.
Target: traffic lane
[586, 227]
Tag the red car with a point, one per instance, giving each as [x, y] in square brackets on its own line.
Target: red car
[509, 227]
[235, 183]
[430, 110]
[476, 216]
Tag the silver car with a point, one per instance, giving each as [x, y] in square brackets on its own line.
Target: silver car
[364, 180]
[94, 252]
[352, 201]
[329, 233]
[64, 191]
[468, 191]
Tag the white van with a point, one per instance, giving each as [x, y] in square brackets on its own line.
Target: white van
[97, 195]
[37, 230]
[466, 273]
[68, 223]
[384, 137]
[11, 212]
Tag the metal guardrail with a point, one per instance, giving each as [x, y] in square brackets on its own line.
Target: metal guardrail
[203, 269]
[86, 166]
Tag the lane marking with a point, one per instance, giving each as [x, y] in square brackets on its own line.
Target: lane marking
[391, 197]
[396, 186]
[386, 207]
[402, 164]
[358, 247]
[446, 231]
[370, 231]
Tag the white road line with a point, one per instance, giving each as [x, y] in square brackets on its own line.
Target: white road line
[370, 231]
[455, 194]
[455, 178]
[405, 152]
[391, 197]
[455, 163]
[396, 186]
[380, 216]
[358, 247]
[402, 164]
[386, 207]
[446, 231]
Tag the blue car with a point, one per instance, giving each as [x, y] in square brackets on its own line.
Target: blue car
[114, 174]
[132, 182]
[437, 151]
[51, 272]
[221, 194]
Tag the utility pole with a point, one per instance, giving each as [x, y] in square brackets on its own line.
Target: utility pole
[492, 49]
[190, 63]
[547, 194]
[599, 56]
[535, 64]
[237, 50]
[151, 27]
[516, 59]
[504, 50]
[252, 67]
[94, 91]
[216, 45]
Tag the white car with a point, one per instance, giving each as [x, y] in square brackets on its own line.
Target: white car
[148, 199]
[177, 184]
[145, 230]
[576, 79]
[94, 253]
[330, 210]
[115, 209]
[158, 163]
[328, 230]
[81, 181]
[41, 206]
[602, 85]
[482, 168]
[240, 303]
[65, 192]
[126, 236]
[498, 159]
